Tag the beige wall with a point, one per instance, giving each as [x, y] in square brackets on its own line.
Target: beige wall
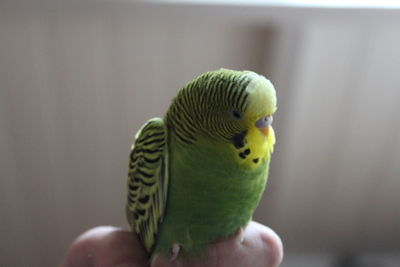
[77, 81]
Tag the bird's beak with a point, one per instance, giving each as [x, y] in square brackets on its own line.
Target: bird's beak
[265, 131]
[264, 123]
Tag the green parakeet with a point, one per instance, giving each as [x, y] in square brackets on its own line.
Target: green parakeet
[197, 175]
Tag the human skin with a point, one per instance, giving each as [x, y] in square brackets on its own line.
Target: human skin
[110, 246]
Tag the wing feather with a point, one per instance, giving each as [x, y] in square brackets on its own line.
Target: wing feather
[148, 181]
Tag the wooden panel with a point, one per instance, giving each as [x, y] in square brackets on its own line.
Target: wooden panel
[75, 87]
[339, 142]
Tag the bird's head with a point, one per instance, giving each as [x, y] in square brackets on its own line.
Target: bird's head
[226, 105]
[233, 102]
[260, 103]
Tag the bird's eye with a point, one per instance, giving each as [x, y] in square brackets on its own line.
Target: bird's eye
[236, 114]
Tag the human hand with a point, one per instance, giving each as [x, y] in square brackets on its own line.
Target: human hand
[110, 246]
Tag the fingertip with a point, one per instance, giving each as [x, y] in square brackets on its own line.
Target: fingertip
[105, 246]
[79, 252]
[272, 244]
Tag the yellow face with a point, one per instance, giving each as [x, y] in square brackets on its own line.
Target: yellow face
[258, 147]
[259, 139]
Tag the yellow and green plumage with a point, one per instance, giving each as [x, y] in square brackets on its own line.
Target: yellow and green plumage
[197, 175]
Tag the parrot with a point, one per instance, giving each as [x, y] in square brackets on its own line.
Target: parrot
[197, 175]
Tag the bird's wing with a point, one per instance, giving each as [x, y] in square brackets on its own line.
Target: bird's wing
[148, 181]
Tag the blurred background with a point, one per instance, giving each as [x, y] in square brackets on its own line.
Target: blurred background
[78, 78]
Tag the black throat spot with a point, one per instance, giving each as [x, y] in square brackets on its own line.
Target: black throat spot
[239, 140]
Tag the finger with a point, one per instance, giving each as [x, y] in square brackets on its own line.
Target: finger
[106, 246]
[261, 247]
[272, 243]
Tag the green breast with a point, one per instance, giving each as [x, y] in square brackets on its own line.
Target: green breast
[209, 196]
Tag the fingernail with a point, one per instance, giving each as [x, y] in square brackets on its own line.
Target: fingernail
[153, 259]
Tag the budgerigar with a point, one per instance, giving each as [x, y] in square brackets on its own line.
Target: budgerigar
[197, 175]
